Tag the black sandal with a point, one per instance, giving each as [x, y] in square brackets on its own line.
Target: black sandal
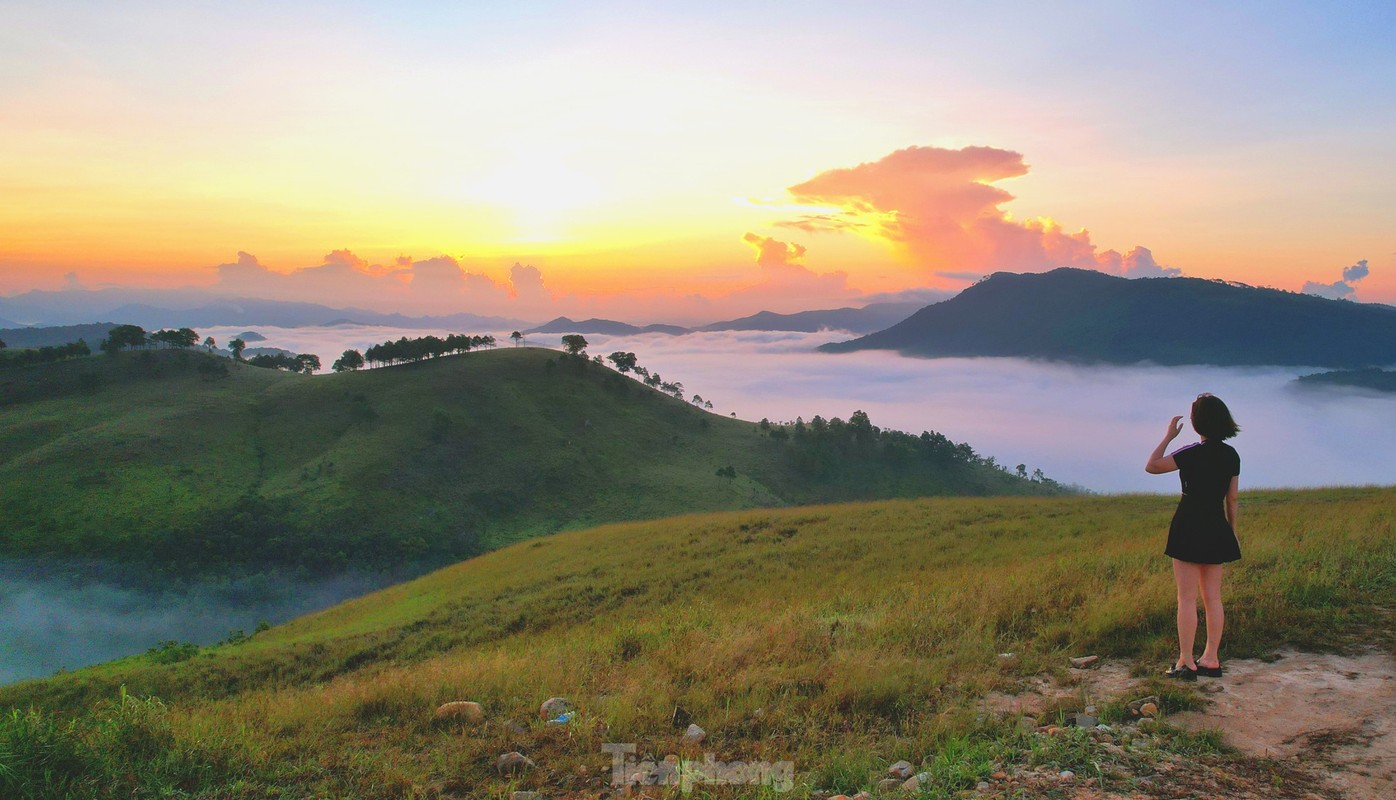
[1181, 673]
[1209, 672]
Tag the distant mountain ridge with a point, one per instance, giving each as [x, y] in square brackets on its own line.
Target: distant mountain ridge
[174, 308]
[607, 327]
[93, 333]
[1090, 317]
[869, 318]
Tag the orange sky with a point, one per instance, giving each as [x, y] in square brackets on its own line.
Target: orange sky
[627, 153]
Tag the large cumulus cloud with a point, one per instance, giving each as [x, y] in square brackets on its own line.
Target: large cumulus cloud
[941, 206]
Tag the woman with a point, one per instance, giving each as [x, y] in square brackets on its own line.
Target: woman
[1202, 536]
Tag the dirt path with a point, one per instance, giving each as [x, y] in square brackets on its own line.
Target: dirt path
[1328, 710]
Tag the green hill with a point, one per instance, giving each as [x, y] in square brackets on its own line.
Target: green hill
[1086, 316]
[181, 458]
[1379, 380]
[840, 637]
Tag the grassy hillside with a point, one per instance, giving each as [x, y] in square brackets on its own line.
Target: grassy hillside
[1087, 316]
[180, 458]
[841, 637]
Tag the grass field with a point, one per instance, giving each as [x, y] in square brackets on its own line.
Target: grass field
[840, 637]
[188, 461]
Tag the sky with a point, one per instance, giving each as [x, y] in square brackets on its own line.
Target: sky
[688, 162]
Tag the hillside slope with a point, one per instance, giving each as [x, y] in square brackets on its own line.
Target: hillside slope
[840, 637]
[1086, 316]
[181, 458]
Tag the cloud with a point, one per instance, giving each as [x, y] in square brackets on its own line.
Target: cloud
[1341, 289]
[942, 208]
[770, 252]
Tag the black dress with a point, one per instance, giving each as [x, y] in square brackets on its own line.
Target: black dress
[1199, 532]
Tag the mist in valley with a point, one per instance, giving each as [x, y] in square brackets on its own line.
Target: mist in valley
[1092, 426]
[66, 615]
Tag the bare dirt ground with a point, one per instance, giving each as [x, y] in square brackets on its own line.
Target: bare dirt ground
[1317, 727]
[1334, 713]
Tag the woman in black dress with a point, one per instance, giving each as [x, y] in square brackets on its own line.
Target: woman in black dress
[1202, 536]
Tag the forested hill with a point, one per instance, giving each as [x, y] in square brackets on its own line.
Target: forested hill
[180, 457]
[1085, 316]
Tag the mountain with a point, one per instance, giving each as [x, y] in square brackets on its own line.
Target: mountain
[869, 318]
[1086, 316]
[184, 458]
[839, 638]
[93, 333]
[1380, 380]
[4, 323]
[198, 308]
[608, 327]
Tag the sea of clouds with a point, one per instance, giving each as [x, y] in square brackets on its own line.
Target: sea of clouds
[1089, 425]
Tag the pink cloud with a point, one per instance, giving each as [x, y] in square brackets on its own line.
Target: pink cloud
[941, 207]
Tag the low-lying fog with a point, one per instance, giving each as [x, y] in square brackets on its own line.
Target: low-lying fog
[1092, 426]
[63, 616]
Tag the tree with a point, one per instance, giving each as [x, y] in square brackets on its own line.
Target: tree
[122, 337]
[237, 346]
[624, 362]
[2, 344]
[209, 344]
[517, 337]
[349, 361]
[574, 343]
[307, 363]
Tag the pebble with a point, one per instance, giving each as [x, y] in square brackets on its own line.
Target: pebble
[888, 784]
[554, 707]
[1085, 721]
[1148, 710]
[862, 796]
[1084, 661]
[525, 796]
[982, 787]
[916, 782]
[1066, 775]
[901, 769]
[461, 709]
[513, 762]
[694, 734]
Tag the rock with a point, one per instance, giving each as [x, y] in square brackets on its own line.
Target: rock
[513, 763]
[1084, 721]
[1103, 727]
[888, 784]
[901, 769]
[840, 797]
[461, 709]
[1006, 656]
[1084, 661]
[525, 796]
[554, 707]
[1089, 709]
[917, 782]
[862, 796]
[694, 734]
[1066, 775]
[1000, 776]
[1148, 710]
[982, 787]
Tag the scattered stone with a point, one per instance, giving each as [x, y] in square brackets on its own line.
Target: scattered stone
[888, 784]
[1148, 710]
[1066, 775]
[1052, 730]
[982, 787]
[1006, 656]
[1000, 776]
[1084, 721]
[1089, 709]
[554, 707]
[694, 734]
[840, 797]
[461, 709]
[1103, 727]
[1084, 661]
[513, 763]
[862, 796]
[901, 769]
[917, 782]
[525, 796]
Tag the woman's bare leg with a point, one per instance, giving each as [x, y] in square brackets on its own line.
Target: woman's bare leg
[1211, 580]
[1186, 576]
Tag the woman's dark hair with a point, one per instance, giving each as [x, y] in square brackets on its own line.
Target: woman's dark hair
[1211, 418]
